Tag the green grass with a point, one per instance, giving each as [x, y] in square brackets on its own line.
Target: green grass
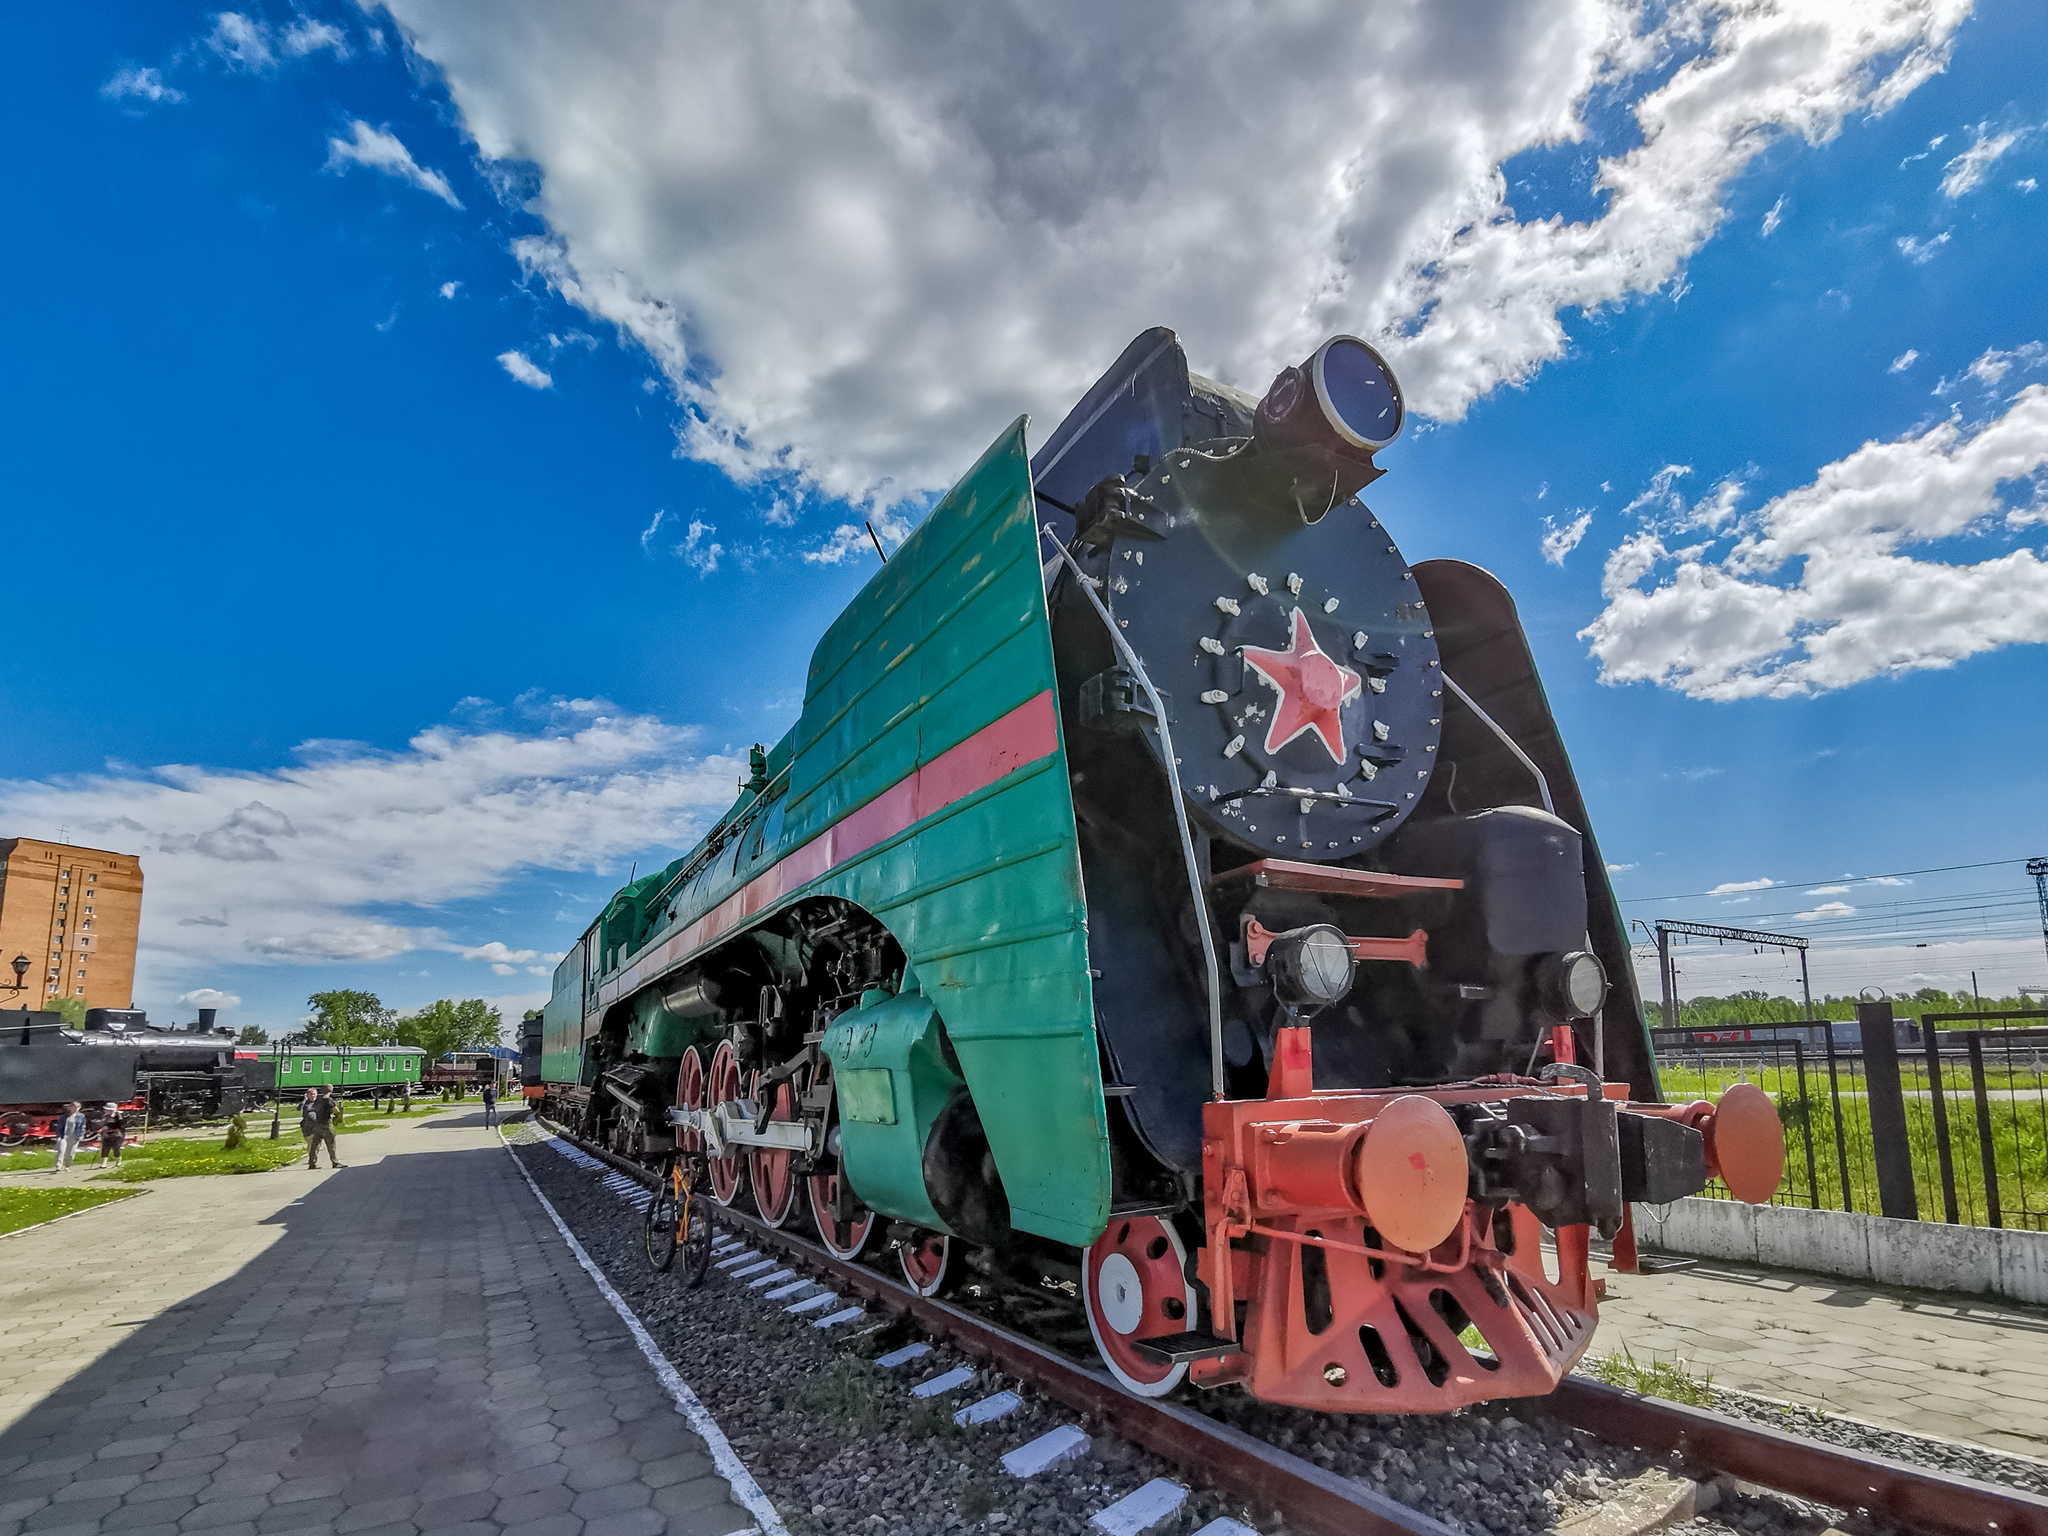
[1660, 1378]
[844, 1394]
[22, 1161]
[2019, 1134]
[175, 1157]
[31, 1207]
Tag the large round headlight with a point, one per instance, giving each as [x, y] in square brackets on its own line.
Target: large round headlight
[1357, 392]
[1311, 967]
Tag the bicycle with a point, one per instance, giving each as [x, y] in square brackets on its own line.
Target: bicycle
[678, 1218]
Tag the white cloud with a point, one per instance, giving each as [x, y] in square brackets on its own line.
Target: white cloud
[382, 151]
[1920, 252]
[243, 43]
[1619, 869]
[209, 997]
[523, 368]
[1828, 890]
[146, 84]
[1903, 361]
[1729, 887]
[1825, 910]
[1991, 366]
[498, 952]
[699, 551]
[1559, 542]
[306, 35]
[505, 970]
[1968, 168]
[348, 854]
[1857, 608]
[2027, 185]
[448, 289]
[979, 216]
[253, 45]
[1773, 217]
[556, 959]
[1886, 880]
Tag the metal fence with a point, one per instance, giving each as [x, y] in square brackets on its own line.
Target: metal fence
[1951, 1126]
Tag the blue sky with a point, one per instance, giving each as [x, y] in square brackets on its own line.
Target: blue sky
[391, 665]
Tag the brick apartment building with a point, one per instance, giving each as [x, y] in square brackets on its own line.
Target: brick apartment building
[73, 913]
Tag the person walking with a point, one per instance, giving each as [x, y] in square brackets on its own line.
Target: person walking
[113, 1135]
[70, 1132]
[321, 1112]
[490, 1104]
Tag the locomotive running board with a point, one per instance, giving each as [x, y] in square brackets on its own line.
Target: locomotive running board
[1292, 875]
[732, 1125]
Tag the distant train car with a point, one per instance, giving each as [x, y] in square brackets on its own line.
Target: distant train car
[354, 1070]
[151, 1072]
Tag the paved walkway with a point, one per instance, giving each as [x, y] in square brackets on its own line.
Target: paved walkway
[1963, 1367]
[404, 1346]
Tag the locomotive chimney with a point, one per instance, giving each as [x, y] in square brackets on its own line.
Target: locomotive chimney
[206, 1017]
[1320, 423]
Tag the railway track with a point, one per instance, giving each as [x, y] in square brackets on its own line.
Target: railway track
[1312, 1500]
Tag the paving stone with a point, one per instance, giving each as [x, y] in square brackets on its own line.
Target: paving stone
[323, 1361]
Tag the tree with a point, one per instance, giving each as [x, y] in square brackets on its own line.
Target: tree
[73, 1009]
[253, 1034]
[349, 1018]
[448, 1025]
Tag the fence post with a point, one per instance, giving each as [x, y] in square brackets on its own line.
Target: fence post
[1835, 1101]
[1889, 1147]
[1806, 1126]
[1985, 1150]
[1941, 1147]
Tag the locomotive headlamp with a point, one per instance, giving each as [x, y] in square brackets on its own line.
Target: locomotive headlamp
[1310, 968]
[1572, 986]
[1357, 392]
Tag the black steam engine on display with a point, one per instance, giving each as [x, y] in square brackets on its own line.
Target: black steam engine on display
[119, 1058]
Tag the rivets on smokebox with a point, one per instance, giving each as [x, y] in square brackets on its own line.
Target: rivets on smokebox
[1270, 781]
[1307, 805]
[1344, 791]
[1214, 696]
[1368, 771]
[1212, 645]
[1381, 730]
[1229, 606]
[1235, 746]
[1256, 582]
[1376, 684]
[1358, 641]
[1294, 583]
[1330, 605]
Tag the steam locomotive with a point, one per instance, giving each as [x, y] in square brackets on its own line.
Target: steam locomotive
[1171, 896]
[118, 1058]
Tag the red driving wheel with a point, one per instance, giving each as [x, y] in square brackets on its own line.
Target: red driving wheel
[729, 1172]
[843, 1237]
[690, 1095]
[1134, 1286]
[774, 1184]
[927, 1261]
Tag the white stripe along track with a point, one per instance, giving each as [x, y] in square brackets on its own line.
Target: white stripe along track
[1138, 1511]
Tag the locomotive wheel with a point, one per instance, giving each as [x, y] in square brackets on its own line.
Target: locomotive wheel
[1134, 1286]
[13, 1130]
[690, 1095]
[842, 1239]
[774, 1183]
[927, 1263]
[728, 1173]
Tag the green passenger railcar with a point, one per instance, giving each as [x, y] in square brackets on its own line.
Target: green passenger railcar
[345, 1068]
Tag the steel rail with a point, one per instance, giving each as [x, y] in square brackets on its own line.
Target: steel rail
[1320, 1502]
[1917, 1497]
[1242, 1466]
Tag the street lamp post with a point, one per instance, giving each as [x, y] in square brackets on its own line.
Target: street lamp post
[20, 970]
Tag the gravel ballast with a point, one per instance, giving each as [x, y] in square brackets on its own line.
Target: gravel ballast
[840, 1445]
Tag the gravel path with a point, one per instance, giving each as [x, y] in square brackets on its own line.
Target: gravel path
[841, 1446]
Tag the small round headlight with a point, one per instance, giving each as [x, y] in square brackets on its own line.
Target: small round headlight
[1311, 967]
[1573, 985]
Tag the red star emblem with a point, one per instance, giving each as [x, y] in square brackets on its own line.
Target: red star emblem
[1313, 690]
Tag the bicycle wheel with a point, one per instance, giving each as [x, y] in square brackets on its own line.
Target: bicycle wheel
[659, 1232]
[697, 1236]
